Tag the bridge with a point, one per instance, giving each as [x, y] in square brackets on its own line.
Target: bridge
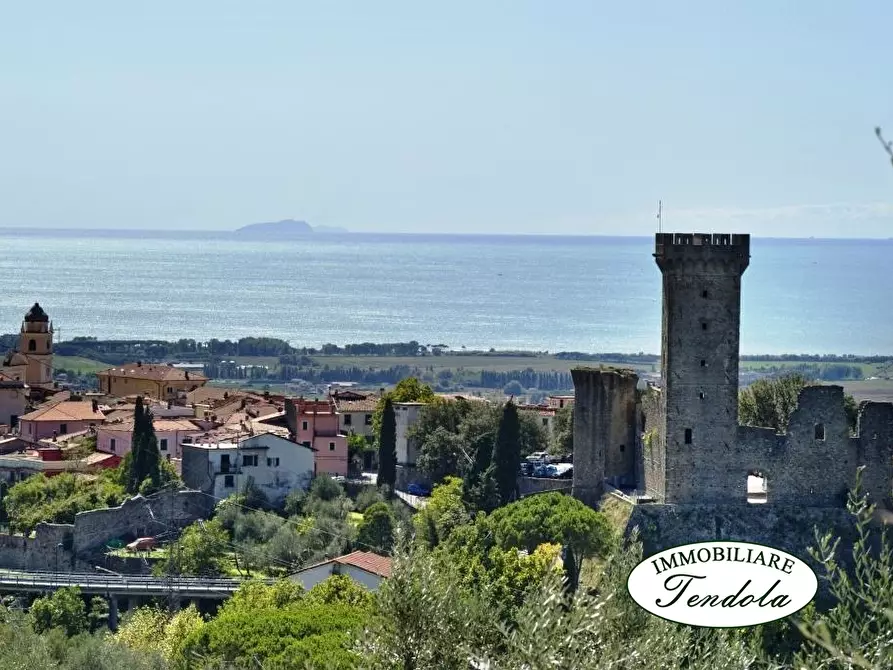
[120, 585]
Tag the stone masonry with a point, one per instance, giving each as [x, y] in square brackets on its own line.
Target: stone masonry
[689, 449]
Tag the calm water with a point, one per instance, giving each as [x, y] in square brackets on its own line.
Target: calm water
[582, 294]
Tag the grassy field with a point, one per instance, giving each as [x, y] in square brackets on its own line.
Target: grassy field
[79, 364]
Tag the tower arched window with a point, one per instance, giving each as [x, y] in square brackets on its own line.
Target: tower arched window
[32, 345]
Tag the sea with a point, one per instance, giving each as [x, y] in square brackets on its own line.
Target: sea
[543, 293]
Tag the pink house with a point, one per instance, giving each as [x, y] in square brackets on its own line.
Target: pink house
[116, 438]
[314, 423]
[60, 418]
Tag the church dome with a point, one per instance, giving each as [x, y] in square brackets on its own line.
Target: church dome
[36, 313]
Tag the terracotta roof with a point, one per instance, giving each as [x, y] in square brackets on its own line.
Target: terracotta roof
[154, 371]
[206, 394]
[366, 560]
[160, 425]
[67, 410]
[365, 405]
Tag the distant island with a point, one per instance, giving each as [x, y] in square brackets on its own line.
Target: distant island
[285, 229]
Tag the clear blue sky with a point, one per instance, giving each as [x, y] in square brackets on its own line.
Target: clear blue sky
[481, 116]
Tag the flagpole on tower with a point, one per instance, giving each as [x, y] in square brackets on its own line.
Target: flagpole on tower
[660, 221]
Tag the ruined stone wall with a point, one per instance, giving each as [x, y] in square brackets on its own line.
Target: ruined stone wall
[139, 517]
[812, 465]
[650, 445]
[604, 428]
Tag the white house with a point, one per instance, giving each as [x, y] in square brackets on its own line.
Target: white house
[276, 465]
[362, 566]
[406, 415]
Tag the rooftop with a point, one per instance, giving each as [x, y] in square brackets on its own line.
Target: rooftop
[366, 560]
[67, 410]
[36, 313]
[153, 371]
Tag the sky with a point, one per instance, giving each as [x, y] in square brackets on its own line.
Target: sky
[465, 117]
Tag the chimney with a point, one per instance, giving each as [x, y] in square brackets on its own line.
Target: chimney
[187, 375]
[95, 405]
[139, 364]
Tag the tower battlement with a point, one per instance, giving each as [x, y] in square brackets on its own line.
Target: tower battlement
[677, 251]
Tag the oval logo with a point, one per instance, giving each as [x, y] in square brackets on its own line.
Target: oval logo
[722, 584]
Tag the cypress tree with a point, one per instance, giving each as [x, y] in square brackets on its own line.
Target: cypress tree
[387, 448]
[507, 454]
[479, 486]
[143, 459]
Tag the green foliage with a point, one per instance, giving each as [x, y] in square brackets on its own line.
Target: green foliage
[441, 454]
[563, 431]
[62, 609]
[57, 499]
[376, 530]
[857, 631]
[325, 488]
[444, 512]
[292, 637]
[769, 403]
[553, 518]
[387, 447]
[340, 590]
[198, 552]
[143, 462]
[255, 596]
[507, 454]
[153, 631]
[98, 615]
[367, 497]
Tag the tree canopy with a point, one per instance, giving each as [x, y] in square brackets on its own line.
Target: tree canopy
[376, 530]
[769, 403]
[507, 454]
[387, 447]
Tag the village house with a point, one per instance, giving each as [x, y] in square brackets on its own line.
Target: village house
[117, 437]
[50, 461]
[544, 413]
[362, 566]
[13, 402]
[559, 401]
[355, 410]
[276, 465]
[314, 423]
[154, 380]
[59, 418]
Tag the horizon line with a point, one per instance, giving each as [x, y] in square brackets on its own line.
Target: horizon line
[349, 233]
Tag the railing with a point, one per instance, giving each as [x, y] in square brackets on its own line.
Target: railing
[135, 584]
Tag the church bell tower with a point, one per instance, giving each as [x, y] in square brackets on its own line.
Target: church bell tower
[36, 343]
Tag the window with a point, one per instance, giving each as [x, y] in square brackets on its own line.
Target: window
[545, 422]
[331, 446]
[162, 444]
[703, 363]
[170, 389]
[249, 460]
[32, 345]
[303, 425]
[228, 481]
[348, 419]
[701, 395]
[757, 487]
[820, 431]
[368, 419]
[705, 294]
[703, 325]
[622, 448]
[112, 444]
[688, 435]
[63, 428]
[273, 462]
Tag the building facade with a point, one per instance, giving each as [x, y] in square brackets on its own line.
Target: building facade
[276, 465]
[153, 380]
[315, 424]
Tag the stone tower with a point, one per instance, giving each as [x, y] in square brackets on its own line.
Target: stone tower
[604, 429]
[36, 343]
[699, 355]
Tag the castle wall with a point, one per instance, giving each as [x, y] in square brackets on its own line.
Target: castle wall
[650, 443]
[604, 428]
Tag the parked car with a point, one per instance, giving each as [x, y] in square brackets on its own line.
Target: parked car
[142, 544]
[561, 470]
[526, 469]
[418, 489]
[538, 457]
[541, 470]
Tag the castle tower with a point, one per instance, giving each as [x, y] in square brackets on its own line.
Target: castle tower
[36, 343]
[699, 355]
[604, 429]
